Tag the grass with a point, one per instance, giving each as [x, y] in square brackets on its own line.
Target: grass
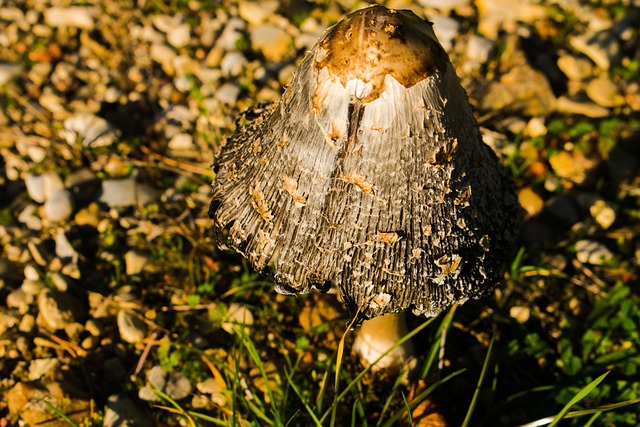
[572, 360]
[340, 398]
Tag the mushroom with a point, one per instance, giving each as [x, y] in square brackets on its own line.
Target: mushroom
[369, 175]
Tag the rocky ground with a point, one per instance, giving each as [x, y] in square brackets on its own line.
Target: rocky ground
[111, 113]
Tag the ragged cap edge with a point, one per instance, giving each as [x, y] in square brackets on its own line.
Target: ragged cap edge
[374, 42]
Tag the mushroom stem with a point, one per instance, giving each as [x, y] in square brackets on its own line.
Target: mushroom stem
[376, 336]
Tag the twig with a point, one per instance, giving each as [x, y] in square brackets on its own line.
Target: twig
[189, 167]
[145, 353]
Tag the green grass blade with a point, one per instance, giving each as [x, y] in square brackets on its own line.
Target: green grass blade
[259, 413]
[602, 408]
[208, 419]
[577, 398]
[357, 379]
[289, 371]
[354, 419]
[292, 418]
[476, 393]
[391, 422]
[594, 412]
[593, 418]
[179, 409]
[434, 351]
[408, 409]
[255, 357]
[340, 353]
[394, 390]
[540, 389]
[297, 391]
[323, 384]
[60, 413]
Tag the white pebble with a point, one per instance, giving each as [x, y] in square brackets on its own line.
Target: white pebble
[59, 206]
[76, 17]
[592, 252]
[228, 93]
[237, 316]
[8, 72]
[132, 329]
[41, 186]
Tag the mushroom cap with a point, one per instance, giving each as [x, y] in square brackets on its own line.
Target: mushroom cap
[369, 174]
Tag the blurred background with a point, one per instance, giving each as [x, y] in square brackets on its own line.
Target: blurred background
[118, 309]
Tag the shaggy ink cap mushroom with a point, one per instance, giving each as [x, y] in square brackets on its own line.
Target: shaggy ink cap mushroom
[369, 174]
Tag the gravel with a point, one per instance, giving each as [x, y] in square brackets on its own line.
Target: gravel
[111, 113]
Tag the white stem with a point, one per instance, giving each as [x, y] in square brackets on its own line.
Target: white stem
[377, 335]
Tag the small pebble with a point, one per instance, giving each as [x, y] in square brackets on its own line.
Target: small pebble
[132, 329]
[497, 14]
[64, 249]
[200, 402]
[89, 342]
[32, 287]
[210, 386]
[446, 30]
[121, 411]
[41, 186]
[60, 281]
[57, 309]
[237, 315]
[603, 213]
[41, 367]
[59, 206]
[589, 109]
[30, 218]
[53, 103]
[25, 402]
[231, 34]
[604, 92]
[90, 130]
[256, 13]
[571, 166]
[232, 64]
[535, 127]
[179, 36]
[530, 201]
[575, 68]
[88, 217]
[31, 272]
[9, 72]
[521, 89]
[174, 384]
[273, 42]
[121, 193]
[27, 324]
[94, 327]
[73, 330]
[135, 262]
[181, 141]
[445, 5]
[7, 321]
[601, 46]
[77, 17]
[592, 252]
[39, 73]
[477, 52]
[228, 93]
[520, 314]
[163, 55]
[19, 300]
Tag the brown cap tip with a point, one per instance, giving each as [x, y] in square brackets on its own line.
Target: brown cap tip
[374, 42]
